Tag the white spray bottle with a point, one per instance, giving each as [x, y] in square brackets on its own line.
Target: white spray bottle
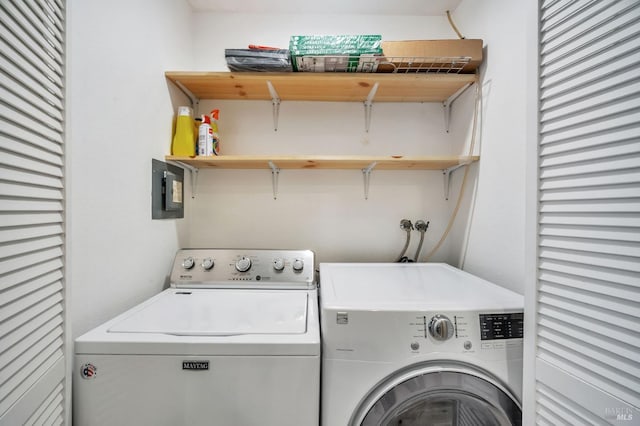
[205, 137]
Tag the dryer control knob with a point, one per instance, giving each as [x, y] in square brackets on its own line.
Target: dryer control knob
[440, 327]
[188, 263]
[298, 265]
[243, 264]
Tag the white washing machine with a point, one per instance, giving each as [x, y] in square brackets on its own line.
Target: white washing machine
[418, 344]
[235, 340]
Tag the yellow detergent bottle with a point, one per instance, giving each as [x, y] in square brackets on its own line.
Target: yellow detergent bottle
[184, 140]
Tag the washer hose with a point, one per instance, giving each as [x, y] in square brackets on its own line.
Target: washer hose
[407, 226]
[478, 105]
[421, 226]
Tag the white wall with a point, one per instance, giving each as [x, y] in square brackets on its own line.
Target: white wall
[121, 109]
[322, 210]
[120, 118]
[496, 247]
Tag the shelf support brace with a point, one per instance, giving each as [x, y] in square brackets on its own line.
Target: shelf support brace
[195, 102]
[366, 174]
[447, 105]
[192, 171]
[447, 176]
[275, 102]
[368, 104]
[275, 173]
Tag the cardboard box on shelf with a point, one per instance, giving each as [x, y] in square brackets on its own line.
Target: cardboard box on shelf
[402, 56]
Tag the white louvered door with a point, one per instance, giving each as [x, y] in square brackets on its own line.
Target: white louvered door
[587, 356]
[32, 326]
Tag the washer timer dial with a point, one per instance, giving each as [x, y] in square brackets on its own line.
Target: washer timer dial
[243, 264]
[441, 327]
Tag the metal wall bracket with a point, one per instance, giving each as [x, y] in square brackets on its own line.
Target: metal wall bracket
[275, 102]
[368, 104]
[195, 101]
[366, 174]
[447, 105]
[447, 176]
[275, 173]
[192, 171]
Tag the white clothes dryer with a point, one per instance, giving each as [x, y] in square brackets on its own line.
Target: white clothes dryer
[235, 341]
[418, 344]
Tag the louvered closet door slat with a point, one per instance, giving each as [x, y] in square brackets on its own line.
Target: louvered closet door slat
[20, 71]
[40, 35]
[32, 239]
[617, 248]
[588, 287]
[617, 347]
[12, 234]
[583, 37]
[31, 110]
[49, 411]
[34, 152]
[622, 206]
[31, 36]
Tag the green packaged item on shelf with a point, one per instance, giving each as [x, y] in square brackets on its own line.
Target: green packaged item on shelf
[328, 53]
[337, 44]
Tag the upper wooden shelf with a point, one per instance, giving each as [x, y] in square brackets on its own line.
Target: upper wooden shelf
[340, 87]
[394, 162]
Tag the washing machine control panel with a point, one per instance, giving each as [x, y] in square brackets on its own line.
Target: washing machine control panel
[382, 336]
[466, 332]
[369, 335]
[256, 268]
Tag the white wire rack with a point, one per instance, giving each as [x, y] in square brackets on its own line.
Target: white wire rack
[381, 64]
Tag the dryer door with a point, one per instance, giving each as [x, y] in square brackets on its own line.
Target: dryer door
[442, 398]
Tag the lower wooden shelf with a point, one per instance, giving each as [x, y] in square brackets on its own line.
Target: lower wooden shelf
[392, 162]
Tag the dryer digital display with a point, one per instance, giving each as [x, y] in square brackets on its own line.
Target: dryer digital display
[501, 326]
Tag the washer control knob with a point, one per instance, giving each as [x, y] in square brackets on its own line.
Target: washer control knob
[207, 263]
[243, 264]
[278, 264]
[440, 327]
[298, 265]
[415, 346]
[188, 263]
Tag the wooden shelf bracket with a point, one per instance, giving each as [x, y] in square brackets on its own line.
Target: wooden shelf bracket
[275, 173]
[368, 104]
[275, 102]
[366, 174]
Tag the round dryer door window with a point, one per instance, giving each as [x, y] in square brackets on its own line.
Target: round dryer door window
[444, 398]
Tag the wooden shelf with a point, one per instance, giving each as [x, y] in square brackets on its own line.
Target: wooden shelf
[323, 162]
[334, 87]
[340, 87]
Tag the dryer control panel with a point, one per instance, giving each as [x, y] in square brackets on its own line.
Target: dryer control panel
[243, 268]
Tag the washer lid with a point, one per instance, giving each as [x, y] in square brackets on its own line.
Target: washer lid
[219, 313]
